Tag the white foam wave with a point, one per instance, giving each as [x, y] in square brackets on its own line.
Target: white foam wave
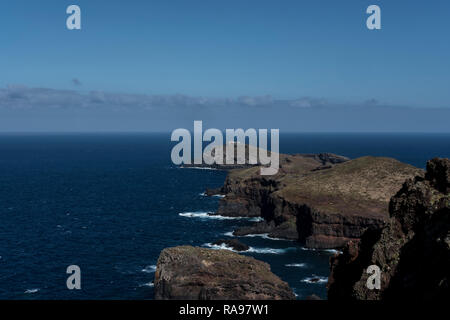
[200, 168]
[315, 280]
[32, 290]
[253, 235]
[256, 219]
[251, 249]
[297, 265]
[262, 235]
[265, 236]
[203, 194]
[268, 250]
[149, 269]
[210, 215]
[222, 246]
[148, 284]
[332, 251]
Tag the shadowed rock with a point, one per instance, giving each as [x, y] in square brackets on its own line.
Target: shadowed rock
[412, 250]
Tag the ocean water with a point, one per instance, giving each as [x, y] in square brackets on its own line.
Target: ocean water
[110, 203]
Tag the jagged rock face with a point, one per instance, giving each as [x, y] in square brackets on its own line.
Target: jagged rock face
[412, 250]
[322, 200]
[438, 173]
[194, 273]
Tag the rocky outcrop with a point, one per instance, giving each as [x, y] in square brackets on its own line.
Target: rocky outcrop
[204, 274]
[412, 250]
[213, 191]
[321, 200]
[250, 157]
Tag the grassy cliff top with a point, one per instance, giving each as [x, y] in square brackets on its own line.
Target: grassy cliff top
[299, 164]
[361, 185]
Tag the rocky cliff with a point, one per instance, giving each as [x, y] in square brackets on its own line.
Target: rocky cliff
[412, 250]
[321, 200]
[194, 273]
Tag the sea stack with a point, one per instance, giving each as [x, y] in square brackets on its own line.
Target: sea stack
[194, 273]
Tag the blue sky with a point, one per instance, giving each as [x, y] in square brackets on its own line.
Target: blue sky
[315, 50]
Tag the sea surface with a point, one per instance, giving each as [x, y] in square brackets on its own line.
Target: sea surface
[110, 203]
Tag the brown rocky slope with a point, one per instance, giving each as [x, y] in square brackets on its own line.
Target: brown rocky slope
[321, 200]
[412, 250]
[194, 273]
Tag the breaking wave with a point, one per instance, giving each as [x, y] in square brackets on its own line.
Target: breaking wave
[32, 290]
[211, 215]
[222, 246]
[297, 265]
[203, 194]
[269, 250]
[315, 280]
[253, 235]
[332, 251]
[148, 284]
[200, 168]
[250, 250]
[255, 219]
[149, 269]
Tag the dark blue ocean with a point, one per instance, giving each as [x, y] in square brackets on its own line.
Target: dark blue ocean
[110, 203]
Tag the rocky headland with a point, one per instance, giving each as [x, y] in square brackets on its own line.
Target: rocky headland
[326, 201]
[412, 250]
[194, 273]
[321, 200]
